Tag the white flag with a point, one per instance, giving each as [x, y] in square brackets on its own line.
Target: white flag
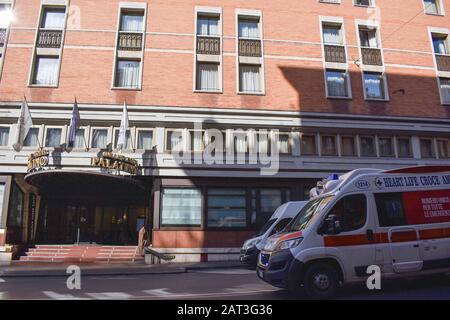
[74, 125]
[24, 123]
[121, 141]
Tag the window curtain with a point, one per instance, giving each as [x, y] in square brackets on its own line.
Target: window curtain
[176, 141]
[328, 145]
[426, 148]
[283, 144]
[263, 143]
[309, 145]
[53, 138]
[367, 146]
[128, 74]
[240, 143]
[404, 149]
[208, 77]
[385, 145]
[31, 139]
[348, 146]
[336, 84]
[132, 23]
[250, 79]
[54, 20]
[4, 136]
[331, 35]
[128, 143]
[47, 71]
[99, 139]
[5, 15]
[145, 140]
[181, 206]
[373, 85]
[439, 46]
[79, 139]
[248, 29]
[431, 6]
[207, 26]
[445, 90]
[196, 141]
[368, 38]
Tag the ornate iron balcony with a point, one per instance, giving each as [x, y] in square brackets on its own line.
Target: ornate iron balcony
[130, 41]
[443, 62]
[335, 53]
[371, 56]
[208, 45]
[49, 39]
[250, 48]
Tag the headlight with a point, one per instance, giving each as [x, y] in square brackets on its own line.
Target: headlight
[288, 244]
[250, 243]
[270, 244]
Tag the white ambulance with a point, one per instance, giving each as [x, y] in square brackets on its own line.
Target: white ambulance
[398, 220]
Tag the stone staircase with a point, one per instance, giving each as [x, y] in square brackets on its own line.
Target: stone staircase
[81, 254]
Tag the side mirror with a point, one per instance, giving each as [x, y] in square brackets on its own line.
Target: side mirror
[331, 225]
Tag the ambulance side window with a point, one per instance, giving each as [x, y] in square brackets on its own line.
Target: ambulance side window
[390, 209]
[351, 212]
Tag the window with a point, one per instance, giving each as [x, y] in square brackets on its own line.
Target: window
[440, 44]
[132, 22]
[332, 34]
[280, 225]
[4, 136]
[351, 212]
[5, 15]
[80, 141]
[207, 77]
[444, 87]
[249, 29]
[250, 78]
[309, 146]
[263, 142]
[174, 140]
[227, 208]
[15, 214]
[128, 74]
[404, 147]
[181, 207]
[443, 148]
[53, 18]
[390, 209]
[368, 37]
[31, 140]
[374, 85]
[46, 71]
[207, 26]
[145, 139]
[264, 202]
[427, 148]
[348, 147]
[328, 144]
[432, 6]
[284, 143]
[128, 142]
[197, 142]
[337, 83]
[240, 142]
[99, 138]
[365, 3]
[385, 147]
[53, 137]
[367, 146]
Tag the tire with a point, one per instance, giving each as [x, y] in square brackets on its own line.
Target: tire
[321, 281]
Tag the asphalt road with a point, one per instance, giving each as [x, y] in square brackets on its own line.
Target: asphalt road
[216, 284]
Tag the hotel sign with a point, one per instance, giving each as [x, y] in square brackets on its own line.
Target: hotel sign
[109, 160]
[38, 160]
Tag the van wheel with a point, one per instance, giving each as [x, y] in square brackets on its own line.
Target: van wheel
[321, 281]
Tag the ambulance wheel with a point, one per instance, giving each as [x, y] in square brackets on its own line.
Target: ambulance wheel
[321, 281]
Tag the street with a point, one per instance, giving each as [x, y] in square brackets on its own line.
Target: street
[214, 284]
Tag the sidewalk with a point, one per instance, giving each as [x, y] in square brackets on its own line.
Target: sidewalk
[59, 270]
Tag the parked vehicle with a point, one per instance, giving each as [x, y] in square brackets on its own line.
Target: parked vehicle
[280, 218]
[398, 220]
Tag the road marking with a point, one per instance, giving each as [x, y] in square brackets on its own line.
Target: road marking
[60, 296]
[113, 278]
[2, 295]
[110, 295]
[2, 280]
[163, 292]
[208, 295]
[226, 271]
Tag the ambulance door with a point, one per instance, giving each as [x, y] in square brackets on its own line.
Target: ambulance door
[405, 249]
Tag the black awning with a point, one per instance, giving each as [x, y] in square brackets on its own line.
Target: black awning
[88, 185]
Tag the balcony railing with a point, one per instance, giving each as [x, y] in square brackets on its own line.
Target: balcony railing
[49, 39]
[372, 56]
[250, 48]
[335, 53]
[208, 45]
[443, 62]
[2, 37]
[130, 41]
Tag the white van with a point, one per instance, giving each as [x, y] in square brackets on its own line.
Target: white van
[398, 220]
[280, 218]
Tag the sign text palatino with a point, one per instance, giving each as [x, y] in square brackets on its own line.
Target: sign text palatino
[109, 160]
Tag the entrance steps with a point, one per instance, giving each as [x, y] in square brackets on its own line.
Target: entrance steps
[82, 254]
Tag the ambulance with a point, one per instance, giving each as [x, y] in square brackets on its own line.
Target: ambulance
[395, 221]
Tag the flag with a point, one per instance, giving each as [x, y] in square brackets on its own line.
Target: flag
[74, 125]
[24, 123]
[121, 141]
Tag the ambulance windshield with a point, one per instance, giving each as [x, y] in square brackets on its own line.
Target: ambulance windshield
[309, 211]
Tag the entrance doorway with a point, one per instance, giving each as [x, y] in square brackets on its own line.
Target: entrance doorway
[73, 224]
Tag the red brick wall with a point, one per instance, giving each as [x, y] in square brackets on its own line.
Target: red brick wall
[199, 239]
[291, 84]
